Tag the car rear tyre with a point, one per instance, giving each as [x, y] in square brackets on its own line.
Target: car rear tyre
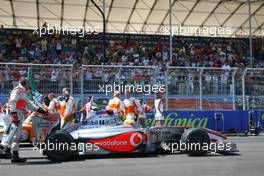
[59, 146]
[196, 140]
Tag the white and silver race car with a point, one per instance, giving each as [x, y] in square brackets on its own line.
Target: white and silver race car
[104, 134]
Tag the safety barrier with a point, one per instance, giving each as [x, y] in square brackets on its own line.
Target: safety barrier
[201, 87]
[105, 79]
[253, 88]
[48, 77]
[225, 121]
[187, 88]
[220, 120]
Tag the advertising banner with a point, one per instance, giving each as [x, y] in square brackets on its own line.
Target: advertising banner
[225, 121]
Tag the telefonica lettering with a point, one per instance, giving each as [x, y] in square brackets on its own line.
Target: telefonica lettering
[172, 119]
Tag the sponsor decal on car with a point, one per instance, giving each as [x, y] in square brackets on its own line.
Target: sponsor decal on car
[112, 143]
[136, 139]
[124, 142]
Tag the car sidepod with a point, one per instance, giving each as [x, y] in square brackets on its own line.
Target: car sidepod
[115, 139]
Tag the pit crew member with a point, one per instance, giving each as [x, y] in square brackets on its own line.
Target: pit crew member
[143, 109]
[19, 103]
[115, 104]
[88, 108]
[159, 117]
[131, 107]
[67, 106]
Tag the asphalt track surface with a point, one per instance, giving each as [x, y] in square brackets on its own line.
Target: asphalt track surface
[250, 162]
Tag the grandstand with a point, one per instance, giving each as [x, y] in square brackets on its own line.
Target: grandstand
[21, 46]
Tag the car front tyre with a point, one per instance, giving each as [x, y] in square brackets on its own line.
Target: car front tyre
[196, 140]
[59, 146]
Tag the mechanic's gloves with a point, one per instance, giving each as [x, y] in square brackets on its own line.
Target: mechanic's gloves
[42, 111]
[14, 117]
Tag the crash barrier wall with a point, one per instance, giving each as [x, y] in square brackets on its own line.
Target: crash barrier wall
[224, 121]
[187, 87]
[227, 121]
[48, 77]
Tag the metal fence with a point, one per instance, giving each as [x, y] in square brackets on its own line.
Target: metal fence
[104, 79]
[253, 88]
[48, 77]
[186, 87]
[200, 88]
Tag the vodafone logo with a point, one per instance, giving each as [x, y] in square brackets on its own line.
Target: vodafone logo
[124, 142]
[136, 139]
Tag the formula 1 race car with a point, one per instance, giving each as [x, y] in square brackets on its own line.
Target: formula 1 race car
[104, 134]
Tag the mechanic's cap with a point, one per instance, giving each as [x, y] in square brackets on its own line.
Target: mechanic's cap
[116, 93]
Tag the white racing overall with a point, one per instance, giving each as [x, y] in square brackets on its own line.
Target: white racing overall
[19, 103]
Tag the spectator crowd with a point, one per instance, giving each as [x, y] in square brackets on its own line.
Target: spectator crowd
[22, 46]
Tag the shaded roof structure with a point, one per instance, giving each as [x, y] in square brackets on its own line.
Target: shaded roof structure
[135, 16]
